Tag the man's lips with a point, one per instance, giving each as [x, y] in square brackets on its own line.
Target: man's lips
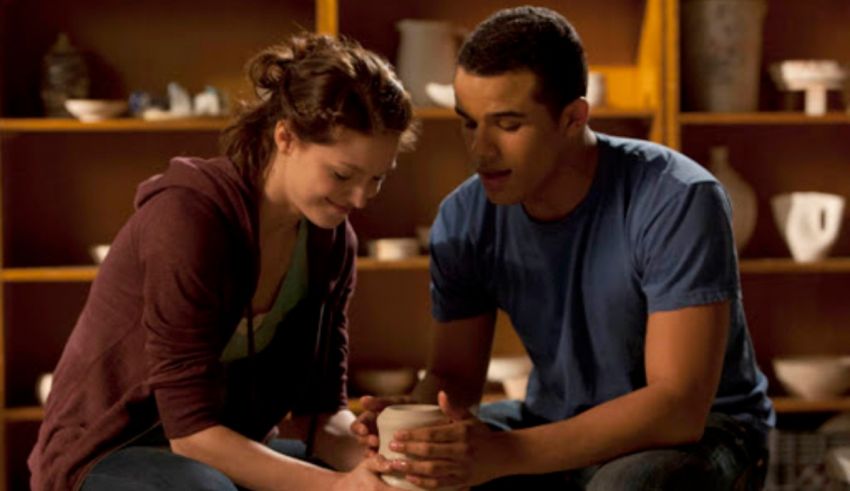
[494, 178]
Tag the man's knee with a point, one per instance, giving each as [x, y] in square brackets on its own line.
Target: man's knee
[661, 470]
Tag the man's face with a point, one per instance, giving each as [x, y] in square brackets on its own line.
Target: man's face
[513, 140]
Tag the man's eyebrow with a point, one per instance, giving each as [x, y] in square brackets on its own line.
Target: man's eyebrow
[501, 114]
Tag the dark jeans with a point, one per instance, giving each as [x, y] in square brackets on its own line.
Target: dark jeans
[730, 456]
[154, 468]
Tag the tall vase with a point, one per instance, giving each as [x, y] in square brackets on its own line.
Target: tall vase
[426, 53]
[721, 54]
[741, 194]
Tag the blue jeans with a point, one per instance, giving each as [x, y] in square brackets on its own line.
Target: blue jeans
[155, 467]
[730, 456]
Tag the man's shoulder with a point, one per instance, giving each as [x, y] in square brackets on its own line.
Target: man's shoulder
[645, 161]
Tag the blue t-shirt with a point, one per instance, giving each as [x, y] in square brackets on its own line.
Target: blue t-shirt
[652, 234]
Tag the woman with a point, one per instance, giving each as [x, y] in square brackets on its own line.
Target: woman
[221, 307]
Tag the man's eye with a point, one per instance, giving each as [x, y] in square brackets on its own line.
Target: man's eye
[469, 125]
[510, 126]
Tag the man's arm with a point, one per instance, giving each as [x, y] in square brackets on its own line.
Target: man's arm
[460, 353]
[683, 358]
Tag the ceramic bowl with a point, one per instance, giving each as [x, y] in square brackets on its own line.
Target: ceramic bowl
[801, 74]
[383, 382]
[98, 252]
[502, 368]
[91, 110]
[838, 464]
[442, 95]
[814, 377]
[393, 248]
[43, 386]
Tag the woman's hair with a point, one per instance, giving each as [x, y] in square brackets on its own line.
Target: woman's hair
[530, 38]
[316, 84]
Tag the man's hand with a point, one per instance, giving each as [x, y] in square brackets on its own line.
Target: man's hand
[364, 427]
[456, 454]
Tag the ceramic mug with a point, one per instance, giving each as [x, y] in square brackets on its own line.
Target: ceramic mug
[405, 417]
[809, 222]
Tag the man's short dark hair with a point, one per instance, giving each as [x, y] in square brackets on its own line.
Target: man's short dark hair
[530, 38]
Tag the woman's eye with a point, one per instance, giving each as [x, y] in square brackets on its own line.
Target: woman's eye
[341, 177]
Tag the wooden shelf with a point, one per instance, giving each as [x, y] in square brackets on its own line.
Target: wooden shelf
[52, 274]
[413, 263]
[35, 413]
[436, 113]
[62, 125]
[797, 405]
[88, 273]
[420, 263]
[762, 118]
[787, 265]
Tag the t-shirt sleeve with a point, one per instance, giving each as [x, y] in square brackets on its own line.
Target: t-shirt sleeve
[185, 251]
[686, 251]
[457, 288]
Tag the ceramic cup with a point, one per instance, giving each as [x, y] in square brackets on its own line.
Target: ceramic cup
[809, 222]
[404, 417]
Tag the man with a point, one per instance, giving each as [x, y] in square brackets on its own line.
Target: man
[615, 261]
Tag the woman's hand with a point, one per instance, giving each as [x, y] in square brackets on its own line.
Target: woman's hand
[365, 477]
[365, 428]
[461, 453]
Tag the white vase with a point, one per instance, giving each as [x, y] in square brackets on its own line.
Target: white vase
[741, 194]
[405, 417]
[809, 222]
[426, 54]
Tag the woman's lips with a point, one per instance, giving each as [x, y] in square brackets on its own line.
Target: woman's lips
[339, 209]
[494, 180]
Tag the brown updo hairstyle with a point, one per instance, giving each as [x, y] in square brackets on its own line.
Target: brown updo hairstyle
[317, 84]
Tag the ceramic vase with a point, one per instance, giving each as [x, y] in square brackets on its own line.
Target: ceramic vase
[405, 417]
[426, 54]
[809, 222]
[721, 54]
[741, 194]
[65, 76]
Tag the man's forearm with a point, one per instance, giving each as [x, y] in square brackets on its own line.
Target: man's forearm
[462, 393]
[647, 418]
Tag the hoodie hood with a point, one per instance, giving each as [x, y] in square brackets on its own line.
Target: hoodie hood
[217, 179]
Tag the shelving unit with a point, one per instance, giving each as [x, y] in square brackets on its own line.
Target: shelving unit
[67, 185]
[792, 308]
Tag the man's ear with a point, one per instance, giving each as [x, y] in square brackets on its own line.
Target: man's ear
[574, 117]
[284, 138]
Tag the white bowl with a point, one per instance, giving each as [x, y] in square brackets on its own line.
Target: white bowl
[502, 368]
[802, 74]
[442, 95]
[394, 248]
[384, 382]
[98, 252]
[814, 377]
[91, 110]
[43, 386]
[838, 463]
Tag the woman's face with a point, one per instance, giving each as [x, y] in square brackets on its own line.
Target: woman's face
[324, 182]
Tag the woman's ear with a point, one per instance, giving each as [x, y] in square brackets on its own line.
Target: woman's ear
[284, 138]
[574, 117]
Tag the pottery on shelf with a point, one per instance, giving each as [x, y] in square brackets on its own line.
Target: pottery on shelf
[64, 76]
[426, 53]
[741, 195]
[809, 222]
[814, 77]
[721, 54]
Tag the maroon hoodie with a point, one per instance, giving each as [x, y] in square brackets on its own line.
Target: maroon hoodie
[145, 350]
